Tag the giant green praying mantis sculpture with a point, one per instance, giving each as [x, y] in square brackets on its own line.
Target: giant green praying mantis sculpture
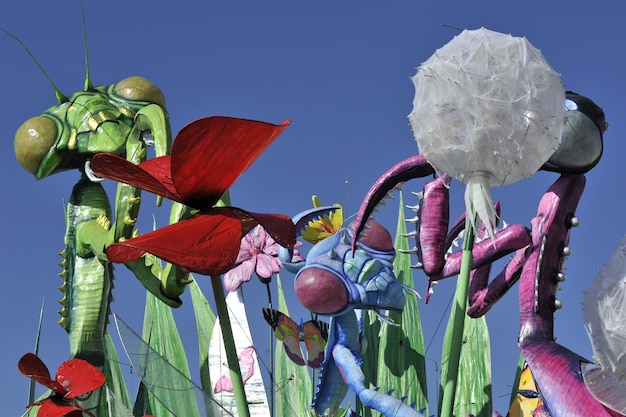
[122, 119]
[110, 129]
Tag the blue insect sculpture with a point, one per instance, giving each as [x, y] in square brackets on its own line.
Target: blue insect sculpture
[334, 281]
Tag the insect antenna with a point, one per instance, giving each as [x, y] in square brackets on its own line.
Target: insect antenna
[452, 27]
[88, 84]
[61, 98]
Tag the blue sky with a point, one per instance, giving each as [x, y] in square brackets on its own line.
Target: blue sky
[340, 71]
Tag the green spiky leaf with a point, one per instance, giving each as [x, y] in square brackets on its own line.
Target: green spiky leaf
[292, 383]
[161, 333]
[115, 382]
[205, 321]
[394, 358]
[473, 389]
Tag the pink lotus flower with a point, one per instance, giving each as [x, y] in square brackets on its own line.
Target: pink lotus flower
[258, 253]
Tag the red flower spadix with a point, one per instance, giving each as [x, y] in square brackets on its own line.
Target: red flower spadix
[74, 378]
[208, 155]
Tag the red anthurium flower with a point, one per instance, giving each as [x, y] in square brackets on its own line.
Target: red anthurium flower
[73, 379]
[208, 155]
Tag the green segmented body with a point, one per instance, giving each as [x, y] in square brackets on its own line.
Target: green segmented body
[88, 280]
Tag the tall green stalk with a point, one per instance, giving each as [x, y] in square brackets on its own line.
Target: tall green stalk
[271, 370]
[459, 307]
[229, 346]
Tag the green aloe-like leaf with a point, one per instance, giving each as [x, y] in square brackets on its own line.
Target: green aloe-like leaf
[205, 321]
[292, 383]
[161, 333]
[473, 389]
[371, 333]
[117, 406]
[394, 358]
[115, 382]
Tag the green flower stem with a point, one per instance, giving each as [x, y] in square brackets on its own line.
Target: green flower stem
[460, 307]
[229, 345]
[271, 371]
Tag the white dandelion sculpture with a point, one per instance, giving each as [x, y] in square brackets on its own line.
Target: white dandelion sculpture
[604, 306]
[488, 111]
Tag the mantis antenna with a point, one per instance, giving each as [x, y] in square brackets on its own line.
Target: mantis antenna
[61, 98]
[88, 84]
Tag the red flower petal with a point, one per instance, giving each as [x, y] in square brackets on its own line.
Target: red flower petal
[209, 155]
[33, 367]
[278, 226]
[51, 407]
[153, 175]
[207, 243]
[79, 377]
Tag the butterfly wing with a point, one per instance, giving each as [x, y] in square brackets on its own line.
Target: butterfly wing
[31, 366]
[153, 175]
[79, 377]
[315, 342]
[207, 243]
[209, 154]
[287, 331]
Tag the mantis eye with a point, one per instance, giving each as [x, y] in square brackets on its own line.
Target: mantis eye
[33, 140]
[139, 89]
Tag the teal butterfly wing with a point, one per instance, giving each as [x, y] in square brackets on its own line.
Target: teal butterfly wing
[288, 332]
[313, 333]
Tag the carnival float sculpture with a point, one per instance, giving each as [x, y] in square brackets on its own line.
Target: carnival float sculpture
[123, 120]
[488, 111]
[539, 252]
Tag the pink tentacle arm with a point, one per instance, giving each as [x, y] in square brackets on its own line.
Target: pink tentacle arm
[432, 235]
[434, 239]
[432, 221]
[482, 295]
[556, 370]
[411, 168]
[433, 243]
[542, 270]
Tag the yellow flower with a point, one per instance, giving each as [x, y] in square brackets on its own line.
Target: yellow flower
[324, 226]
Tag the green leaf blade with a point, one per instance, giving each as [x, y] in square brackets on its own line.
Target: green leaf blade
[292, 382]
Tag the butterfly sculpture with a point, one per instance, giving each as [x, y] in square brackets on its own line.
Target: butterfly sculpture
[74, 378]
[313, 333]
[208, 155]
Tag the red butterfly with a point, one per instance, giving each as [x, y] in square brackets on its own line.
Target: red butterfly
[74, 378]
[207, 157]
[313, 333]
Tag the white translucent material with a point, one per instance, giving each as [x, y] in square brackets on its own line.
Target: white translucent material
[487, 105]
[604, 307]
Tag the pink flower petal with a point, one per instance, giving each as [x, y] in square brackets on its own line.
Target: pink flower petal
[266, 265]
[239, 274]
